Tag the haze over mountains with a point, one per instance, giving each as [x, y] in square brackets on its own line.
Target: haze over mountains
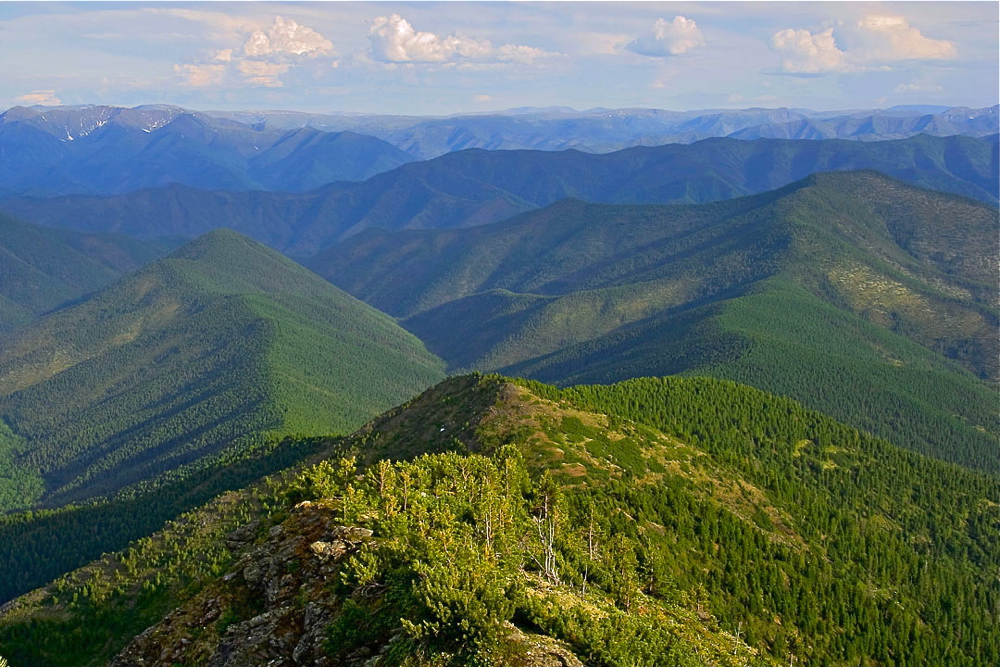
[475, 187]
[605, 130]
[110, 150]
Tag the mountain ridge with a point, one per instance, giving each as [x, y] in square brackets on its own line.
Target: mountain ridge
[205, 349]
[582, 292]
[476, 187]
[717, 515]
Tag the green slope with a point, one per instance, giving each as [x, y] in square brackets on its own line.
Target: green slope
[224, 344]
[835, 290]
[42, 268]
[695, 522]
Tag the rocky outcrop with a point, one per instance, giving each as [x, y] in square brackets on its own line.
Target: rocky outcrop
[275, 607]
[280, 582]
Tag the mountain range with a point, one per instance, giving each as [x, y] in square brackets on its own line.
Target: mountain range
[846, 291]
[604, 130]
[476, 187]
[109, 150]
[739, 406]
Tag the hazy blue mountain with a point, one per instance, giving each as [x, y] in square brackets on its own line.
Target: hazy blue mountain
[605, 130]
[474, 187]
[108, 150]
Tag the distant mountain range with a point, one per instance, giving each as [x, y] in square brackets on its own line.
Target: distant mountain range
[846, 291]
[103, 150]
[109, 150]
[221, 346]
[605, 130]
[476, 187]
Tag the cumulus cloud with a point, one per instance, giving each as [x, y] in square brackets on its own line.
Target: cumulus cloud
[482, 99]
[266, 53]
[394, 40]
[286, 37]
[201, 76]
[875, 40]
[893, 38]
[804, 52]
[42, 97]
[263, 73]
[668, 38]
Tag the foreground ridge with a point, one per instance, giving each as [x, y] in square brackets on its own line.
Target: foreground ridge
[491, 521]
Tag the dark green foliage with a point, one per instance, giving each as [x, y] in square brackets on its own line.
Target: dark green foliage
[42, 268]
[39, 546]
[886, 534]
[225, 344]
[815, 542]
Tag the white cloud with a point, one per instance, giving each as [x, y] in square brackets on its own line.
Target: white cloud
[266, 53]
[394, 40]
[893, 38]
[201, 76]
[286, 37]
[263, 73]
[804, 52]
[482, 99]
[43, 97]
[874, 40]
[669, 38]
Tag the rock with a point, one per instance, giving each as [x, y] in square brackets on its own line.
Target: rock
[351, 533]
[328, 550]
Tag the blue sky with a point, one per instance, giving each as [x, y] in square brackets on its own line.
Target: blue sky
[437, 58]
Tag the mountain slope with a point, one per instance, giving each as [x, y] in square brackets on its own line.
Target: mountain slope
[110, 150]
[846, 291]
[476, 187]
[41, 268]
[224, 344]
[678, 521]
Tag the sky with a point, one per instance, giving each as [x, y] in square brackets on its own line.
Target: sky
[435, 58]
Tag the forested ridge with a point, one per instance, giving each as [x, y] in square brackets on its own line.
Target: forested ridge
[43, 268]
[684, 521]
[223, 345]
[860, 296]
